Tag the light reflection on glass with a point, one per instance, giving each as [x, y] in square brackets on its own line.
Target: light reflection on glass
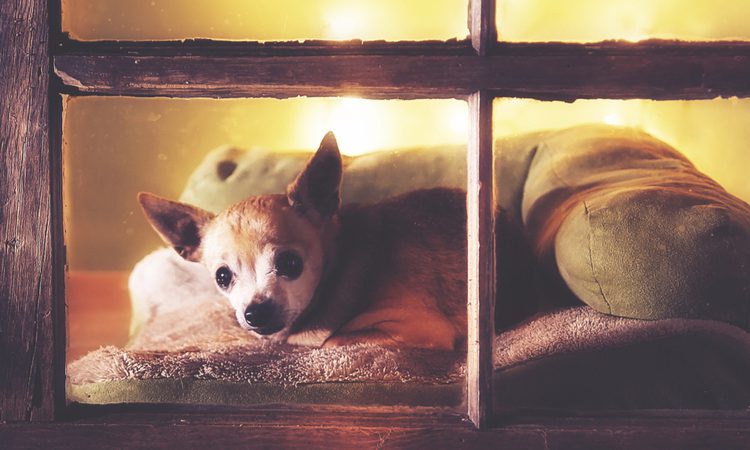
[117, 146]
[630, 20]
[265, 20]
[713, 134]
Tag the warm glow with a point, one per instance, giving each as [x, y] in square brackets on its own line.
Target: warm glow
[265, 20]
[117, 146]
[356, 124]
[713, 134]
[613, 119]
[344, 24]
[630, 20]
[363, 126]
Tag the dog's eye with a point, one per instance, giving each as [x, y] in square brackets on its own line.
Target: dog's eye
[288, 265]
[223, 277]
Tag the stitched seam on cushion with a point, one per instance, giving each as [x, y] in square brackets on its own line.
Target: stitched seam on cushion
[591, 258]
[553, 169]
[534, 152]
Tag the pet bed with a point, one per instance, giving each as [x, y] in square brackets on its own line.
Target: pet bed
[633, 203]
[575, 358]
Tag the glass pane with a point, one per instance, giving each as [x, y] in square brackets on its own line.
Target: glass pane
[612, 218]
[631, 20]
[265, 20]
[713, 134]
[164, 324]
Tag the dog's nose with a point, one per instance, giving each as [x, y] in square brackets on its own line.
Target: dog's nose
[260, 315]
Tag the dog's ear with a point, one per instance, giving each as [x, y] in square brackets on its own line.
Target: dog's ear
[316, 190]
[179, 225]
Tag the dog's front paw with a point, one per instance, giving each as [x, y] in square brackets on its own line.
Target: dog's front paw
[310, 338]
[371, 337]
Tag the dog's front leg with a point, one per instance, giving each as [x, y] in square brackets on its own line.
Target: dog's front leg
[370, 336]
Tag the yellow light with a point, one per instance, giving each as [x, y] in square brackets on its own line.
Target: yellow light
[458, 120]
[356, 122]
[630, 20]
[344, 24]
[613, 119]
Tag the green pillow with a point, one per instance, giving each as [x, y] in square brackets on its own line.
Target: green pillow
[228, 175]
[631, 226]
[635, 230]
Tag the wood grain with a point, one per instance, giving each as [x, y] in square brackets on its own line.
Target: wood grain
[561, 73]
[27, 386]
[208, 47]
[480, 229]
[482, 25]
[349, 432]
[481, 260]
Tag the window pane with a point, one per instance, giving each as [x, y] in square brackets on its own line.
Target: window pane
[170, 337]
[618, 222]
[265, 20]
[713, 134]
[632, 20]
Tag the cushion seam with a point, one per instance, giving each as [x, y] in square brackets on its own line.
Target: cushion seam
[553, 169]
[591, 258]
[534, 152]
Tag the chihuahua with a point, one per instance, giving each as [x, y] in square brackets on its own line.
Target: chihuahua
[300, 267]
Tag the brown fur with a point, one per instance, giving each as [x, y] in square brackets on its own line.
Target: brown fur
[390, 273]
[400, 270]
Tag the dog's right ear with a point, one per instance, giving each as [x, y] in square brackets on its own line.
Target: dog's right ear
[179, 225]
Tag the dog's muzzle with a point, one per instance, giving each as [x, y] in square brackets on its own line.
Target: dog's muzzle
[262, 318]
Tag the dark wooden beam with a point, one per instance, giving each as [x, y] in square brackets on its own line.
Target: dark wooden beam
[563, 73]
[208, 47]
[27, 313]
[205, 47]
[482, 25]
[349, 433]
[480, 207]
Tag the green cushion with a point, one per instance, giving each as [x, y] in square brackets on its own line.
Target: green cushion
[631, 227]
[228, 175]
[635, 230]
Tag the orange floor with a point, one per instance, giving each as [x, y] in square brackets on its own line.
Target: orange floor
[98, 311]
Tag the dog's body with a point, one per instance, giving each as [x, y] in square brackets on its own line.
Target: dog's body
[397, 274]
[300, 268]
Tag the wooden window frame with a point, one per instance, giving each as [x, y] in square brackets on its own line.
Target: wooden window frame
[38, 63]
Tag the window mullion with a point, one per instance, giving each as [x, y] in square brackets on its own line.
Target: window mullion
[481, 259]
[482, 25]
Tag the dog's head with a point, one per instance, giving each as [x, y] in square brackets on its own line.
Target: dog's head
[266, 253]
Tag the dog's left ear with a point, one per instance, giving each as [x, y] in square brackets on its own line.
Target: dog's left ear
[317, 190]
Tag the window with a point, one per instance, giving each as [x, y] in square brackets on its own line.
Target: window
[142, 20]
[33, 317]
[592, 21]
[114, 147]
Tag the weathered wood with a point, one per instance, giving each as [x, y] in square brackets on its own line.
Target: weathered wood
[208, 47]
[480, 206]
[482, 25]
[555, 75]
[240, 435]
[318, 415]
[349, 433]
[57, 243]
[27, 387]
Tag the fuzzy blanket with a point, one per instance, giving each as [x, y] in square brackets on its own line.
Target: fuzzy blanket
[209, 347]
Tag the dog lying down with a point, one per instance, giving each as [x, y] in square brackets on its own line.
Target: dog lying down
[606, 216]
[303, 269]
